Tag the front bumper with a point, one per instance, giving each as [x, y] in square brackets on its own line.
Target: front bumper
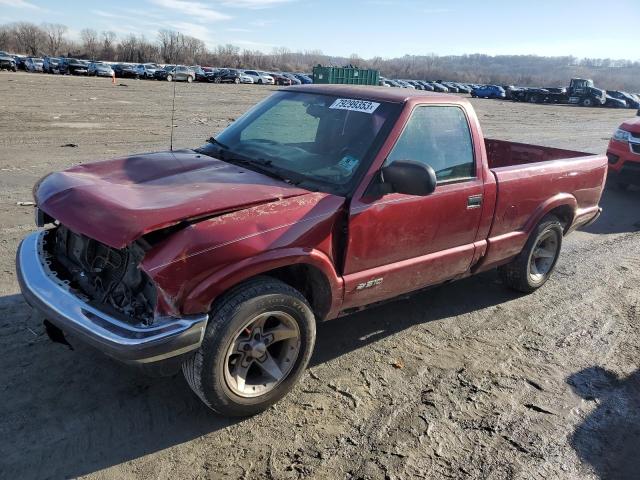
[128, 343]
[624, 160]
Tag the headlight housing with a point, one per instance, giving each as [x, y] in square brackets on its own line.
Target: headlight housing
[621, 135]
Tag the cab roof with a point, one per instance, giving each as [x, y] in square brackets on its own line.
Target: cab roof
[378, 94]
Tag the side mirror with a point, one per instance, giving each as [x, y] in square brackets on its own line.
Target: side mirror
[410, 177]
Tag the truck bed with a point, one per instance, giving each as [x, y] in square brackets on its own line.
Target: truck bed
[501, 153]
[532, 179]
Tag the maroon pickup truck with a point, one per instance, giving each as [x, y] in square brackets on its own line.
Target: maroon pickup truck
[319, 201]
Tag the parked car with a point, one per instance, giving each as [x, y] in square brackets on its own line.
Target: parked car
[304, 79]
[612, 102]
[415, 84]
[220, 260]
[294, 80]
[624, 154]
[245, 78]
[261, 78]
[450, 86]
[162, 73]
[405, 84]
[33, 64]
[100, 69]
[228, 75]
[281, 79]
[125, 70]
[73, 66]
[200, 74]
[7, 62]
[426, 86]
[462, 88]
[438, 87]
[488, 91]
[50, 65]
[147, 70]
[19, 59]
[180, 73]
[630, 100]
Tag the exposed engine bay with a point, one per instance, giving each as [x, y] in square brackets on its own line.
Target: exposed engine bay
[108, 277]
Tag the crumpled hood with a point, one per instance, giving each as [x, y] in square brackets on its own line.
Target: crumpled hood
[117, 201]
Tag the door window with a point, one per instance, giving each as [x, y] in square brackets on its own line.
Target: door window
[438, 136]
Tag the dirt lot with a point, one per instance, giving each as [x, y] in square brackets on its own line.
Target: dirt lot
[464, 381]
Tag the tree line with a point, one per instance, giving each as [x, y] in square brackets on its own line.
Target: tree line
[176, 48]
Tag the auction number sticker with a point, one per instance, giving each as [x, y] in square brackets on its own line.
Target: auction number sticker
[364, 106]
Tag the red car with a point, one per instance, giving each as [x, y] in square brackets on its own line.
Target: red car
[281, 79]
[320, 201]
[624, 154]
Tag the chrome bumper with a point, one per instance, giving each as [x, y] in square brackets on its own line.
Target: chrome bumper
[128, 343]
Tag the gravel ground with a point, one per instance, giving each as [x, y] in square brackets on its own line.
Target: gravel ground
[468, 380]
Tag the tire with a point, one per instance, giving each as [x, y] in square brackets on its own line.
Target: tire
[169, 78]
[525, 273]
[217, 80]
[260, 82]
[588, 102]
[236, 81]
[210, 371]
[189, 79]
[533, 99]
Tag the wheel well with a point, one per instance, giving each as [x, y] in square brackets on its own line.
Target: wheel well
[565, 215]
[310, 282]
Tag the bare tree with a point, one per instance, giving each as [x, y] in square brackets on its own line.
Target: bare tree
[108, 51]
[7, 38]
[54, 36]
[30, 38]
[90, 42]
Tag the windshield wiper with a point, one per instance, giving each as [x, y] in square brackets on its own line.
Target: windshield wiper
[264, 166]
[215, 141]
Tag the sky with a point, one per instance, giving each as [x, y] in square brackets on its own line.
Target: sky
[385, 28]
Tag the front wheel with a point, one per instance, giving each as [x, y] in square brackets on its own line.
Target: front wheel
[256, 346]
[534, 264]
[189, 79]
[236, 81]
[588, 102]
[169, 78]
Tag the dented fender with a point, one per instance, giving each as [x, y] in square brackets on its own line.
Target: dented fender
[194, 265]
[201, 297]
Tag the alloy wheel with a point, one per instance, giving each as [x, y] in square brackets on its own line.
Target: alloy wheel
[543, 255]
[262, 354]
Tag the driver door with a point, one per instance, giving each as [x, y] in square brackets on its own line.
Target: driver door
[400, 243]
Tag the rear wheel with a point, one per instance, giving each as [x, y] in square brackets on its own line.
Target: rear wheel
[169, 78]
[189, 79]
[236, 80]
[260, 82]
[218, 80]
[534, 264]
[588, 102]
[257, 344]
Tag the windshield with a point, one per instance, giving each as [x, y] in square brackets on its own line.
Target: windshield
[322, 141]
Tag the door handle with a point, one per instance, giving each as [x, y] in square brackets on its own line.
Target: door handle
[474, 201]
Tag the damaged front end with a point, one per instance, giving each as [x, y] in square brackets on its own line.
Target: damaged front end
[101, 296]
[110, 278]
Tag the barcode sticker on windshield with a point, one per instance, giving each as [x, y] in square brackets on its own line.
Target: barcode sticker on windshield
[364, 106]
